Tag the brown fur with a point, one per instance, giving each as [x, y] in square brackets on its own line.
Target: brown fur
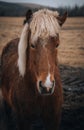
[21, 93]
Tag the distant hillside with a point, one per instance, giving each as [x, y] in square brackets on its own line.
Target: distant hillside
[32, 6]
[19, 9]
[10, 9]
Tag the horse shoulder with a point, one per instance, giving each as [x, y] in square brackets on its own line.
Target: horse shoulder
[9, 64]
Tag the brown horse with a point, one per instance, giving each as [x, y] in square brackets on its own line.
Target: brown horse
[31, 82]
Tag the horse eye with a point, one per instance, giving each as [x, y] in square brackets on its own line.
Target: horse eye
[32, 46]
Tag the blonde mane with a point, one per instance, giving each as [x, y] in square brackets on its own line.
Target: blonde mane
[22, 50]
[44, 23]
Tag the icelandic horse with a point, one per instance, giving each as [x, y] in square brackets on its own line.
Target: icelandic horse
[31, 83]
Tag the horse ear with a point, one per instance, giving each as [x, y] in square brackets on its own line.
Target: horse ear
[62, 19]
[28, 16]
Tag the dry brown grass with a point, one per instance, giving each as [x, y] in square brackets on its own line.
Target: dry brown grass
[71, 49]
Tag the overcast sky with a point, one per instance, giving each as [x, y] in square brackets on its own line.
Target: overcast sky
[54, 3]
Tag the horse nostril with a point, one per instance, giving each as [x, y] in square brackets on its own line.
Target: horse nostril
[40, 84]
[53, 83]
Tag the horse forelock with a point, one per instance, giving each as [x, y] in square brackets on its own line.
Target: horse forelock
[44, 23]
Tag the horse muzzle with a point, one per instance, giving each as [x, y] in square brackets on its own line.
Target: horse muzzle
[46, 90]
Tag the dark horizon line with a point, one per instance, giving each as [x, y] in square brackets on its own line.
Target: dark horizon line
[65, 6]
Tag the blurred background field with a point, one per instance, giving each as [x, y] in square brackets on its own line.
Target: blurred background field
[70, 58]
[71, 49]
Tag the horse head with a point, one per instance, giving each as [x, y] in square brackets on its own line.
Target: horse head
[40, 39]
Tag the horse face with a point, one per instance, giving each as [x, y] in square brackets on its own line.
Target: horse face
[42, 53]
[43, 62]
